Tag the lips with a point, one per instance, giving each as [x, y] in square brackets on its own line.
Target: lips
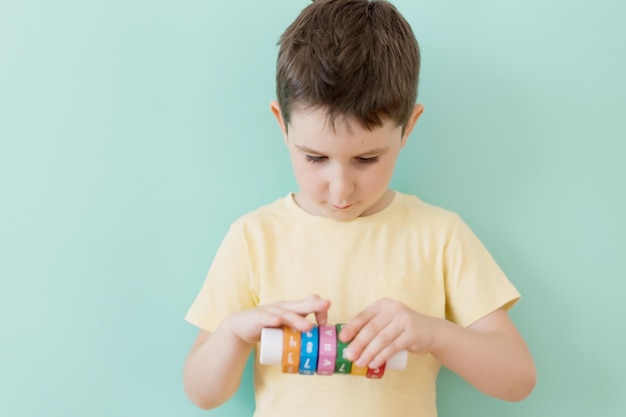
[344, 207]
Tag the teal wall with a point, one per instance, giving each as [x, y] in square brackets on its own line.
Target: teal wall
[133, 132]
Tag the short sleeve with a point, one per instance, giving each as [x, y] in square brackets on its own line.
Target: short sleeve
[475, 284]
[226, 288]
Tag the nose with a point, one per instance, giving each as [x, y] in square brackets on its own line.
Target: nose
[340, 185]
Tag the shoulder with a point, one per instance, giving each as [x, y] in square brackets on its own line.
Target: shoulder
[414, 209]
[274, 213]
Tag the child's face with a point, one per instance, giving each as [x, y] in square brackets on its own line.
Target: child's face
[343, 173]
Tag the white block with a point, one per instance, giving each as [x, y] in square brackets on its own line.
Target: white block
[271, 350]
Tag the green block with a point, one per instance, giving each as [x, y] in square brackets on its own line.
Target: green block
[342, 366]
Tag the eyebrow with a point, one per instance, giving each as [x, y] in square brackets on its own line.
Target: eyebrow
[369, 152]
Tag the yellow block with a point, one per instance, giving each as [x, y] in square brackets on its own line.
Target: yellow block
[358, 370]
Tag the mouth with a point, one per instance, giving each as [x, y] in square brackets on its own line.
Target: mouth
[344, 207]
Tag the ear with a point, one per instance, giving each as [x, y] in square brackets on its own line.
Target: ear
[418, 109]
[275, 108]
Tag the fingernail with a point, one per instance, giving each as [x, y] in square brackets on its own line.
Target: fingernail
[347, 354]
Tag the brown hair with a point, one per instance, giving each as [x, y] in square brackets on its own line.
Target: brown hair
[357, 59]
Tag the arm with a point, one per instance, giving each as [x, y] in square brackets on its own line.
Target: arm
[214, 367]
[216, 362]
[490, 354]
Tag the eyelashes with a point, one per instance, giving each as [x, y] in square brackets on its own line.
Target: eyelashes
[315, 159]
[363, 161]
[368, 161]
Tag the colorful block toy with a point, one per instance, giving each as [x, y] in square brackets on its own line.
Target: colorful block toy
[317, 351]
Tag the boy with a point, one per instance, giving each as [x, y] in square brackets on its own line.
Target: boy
[402, 274]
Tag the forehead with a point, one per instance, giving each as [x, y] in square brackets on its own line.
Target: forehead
[315, 124]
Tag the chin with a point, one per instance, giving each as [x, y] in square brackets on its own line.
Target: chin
[342, 216]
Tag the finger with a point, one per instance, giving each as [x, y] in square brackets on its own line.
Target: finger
[321, 317]
[247, 325]
[372, 337]
[360, 331]
[354, 326]
[294, 313]
[311, 304]
[387, 343]
[406, 330]
[285, 317]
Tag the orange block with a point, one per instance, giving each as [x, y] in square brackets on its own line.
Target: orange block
[291, 350]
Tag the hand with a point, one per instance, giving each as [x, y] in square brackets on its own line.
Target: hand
[383, 329]
[247, 325]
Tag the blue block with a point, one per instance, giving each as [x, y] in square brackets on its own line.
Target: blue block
[309, 351]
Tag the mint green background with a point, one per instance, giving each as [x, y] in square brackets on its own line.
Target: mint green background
[133, 133]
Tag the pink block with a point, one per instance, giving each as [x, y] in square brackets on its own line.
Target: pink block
[327, 350]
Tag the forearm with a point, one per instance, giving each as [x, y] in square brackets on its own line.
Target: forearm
[216, 362]
[496, 362]
[214, 368]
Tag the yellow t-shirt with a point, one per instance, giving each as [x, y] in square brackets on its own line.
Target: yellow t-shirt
[411, 251]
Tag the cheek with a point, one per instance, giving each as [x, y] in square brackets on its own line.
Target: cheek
[380, 176]
[382, 172]
[306, 174]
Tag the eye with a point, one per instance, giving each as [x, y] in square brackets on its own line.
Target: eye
[315, 159]
[367, 161]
